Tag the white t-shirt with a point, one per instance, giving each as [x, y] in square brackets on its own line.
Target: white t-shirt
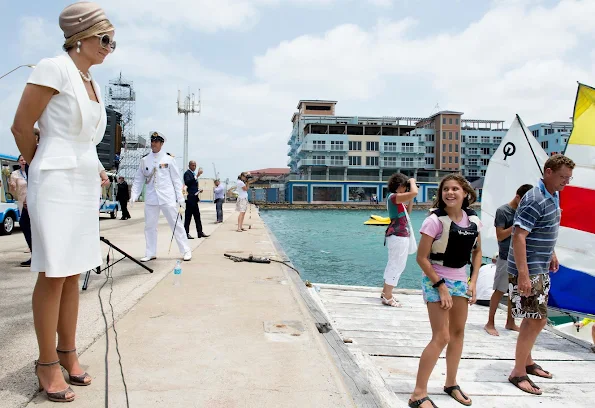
[485, 282]
[239, 188]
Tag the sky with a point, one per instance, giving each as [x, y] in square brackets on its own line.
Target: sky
[253, 60]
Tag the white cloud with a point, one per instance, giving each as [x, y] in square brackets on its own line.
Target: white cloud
[492, 68]
[520, 57]
[207, 15]
[37, 35]
[381, 3]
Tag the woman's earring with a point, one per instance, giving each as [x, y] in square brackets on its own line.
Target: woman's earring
[78, 47]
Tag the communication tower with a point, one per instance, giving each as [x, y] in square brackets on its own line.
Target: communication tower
[186, 106]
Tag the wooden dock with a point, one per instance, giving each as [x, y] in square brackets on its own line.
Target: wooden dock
[386, 343]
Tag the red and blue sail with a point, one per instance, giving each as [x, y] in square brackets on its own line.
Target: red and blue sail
[573, 286]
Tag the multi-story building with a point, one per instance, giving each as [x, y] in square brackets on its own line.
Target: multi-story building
[552, 136]
[349, 158]
[453, 143]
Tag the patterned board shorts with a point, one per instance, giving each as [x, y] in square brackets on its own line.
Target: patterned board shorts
[535, 305]
[242, 204]
[455, 288]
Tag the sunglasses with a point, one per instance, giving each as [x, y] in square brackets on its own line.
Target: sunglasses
[106, 42]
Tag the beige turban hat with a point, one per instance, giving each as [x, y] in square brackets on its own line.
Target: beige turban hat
[79, 17]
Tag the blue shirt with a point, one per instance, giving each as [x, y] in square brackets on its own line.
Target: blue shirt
[538, 213]
[219, 192]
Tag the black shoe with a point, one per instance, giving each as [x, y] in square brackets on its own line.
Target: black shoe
[26, 263]
[203, 235]
[189, 236]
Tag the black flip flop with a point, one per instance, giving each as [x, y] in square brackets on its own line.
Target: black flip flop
[517, 380]
[532, 369]
[450, 391]
[416, 404]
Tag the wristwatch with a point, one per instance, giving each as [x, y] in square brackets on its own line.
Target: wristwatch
[437, 284]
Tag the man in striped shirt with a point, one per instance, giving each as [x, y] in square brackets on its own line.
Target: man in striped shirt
[530, 259]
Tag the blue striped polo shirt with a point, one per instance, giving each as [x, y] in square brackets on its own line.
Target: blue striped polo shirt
[538, 213]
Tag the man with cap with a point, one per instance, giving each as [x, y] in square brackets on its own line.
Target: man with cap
[158, 171]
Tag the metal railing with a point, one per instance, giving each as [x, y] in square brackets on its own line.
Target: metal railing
[327, 161]
[321, 147]
[402, 164]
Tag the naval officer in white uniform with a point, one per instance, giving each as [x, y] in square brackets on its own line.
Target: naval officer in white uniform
[163, 193]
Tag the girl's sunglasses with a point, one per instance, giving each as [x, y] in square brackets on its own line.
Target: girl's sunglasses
[106, 42]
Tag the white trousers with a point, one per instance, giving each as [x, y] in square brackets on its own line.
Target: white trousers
[152, 217]
[398, 250]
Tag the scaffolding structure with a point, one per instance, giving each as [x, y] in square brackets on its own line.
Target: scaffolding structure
[121, 97]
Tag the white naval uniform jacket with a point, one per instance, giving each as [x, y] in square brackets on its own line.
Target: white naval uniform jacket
[162, 178]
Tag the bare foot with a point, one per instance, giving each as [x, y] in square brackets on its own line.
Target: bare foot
[491, 330]
[512, 327]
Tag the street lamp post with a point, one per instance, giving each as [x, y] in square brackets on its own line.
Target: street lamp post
[20, 66]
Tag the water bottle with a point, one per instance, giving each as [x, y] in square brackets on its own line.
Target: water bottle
[178, 273]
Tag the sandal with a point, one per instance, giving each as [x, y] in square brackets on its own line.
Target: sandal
[59, 396]
[517, 380]
[450, 391]
[416, 404]
[390, 302]
[532, 369]
[76, 379]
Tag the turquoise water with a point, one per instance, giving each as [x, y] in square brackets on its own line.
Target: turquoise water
[334, 246]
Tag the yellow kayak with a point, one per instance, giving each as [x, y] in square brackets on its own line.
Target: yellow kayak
[377, 220]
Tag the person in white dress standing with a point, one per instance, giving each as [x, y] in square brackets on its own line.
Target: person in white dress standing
[163, 180]
[65, 177]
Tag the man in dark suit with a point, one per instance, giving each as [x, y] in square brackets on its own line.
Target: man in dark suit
[191, 182]
[122, 196]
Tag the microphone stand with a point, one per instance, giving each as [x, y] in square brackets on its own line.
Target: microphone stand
[98, 270]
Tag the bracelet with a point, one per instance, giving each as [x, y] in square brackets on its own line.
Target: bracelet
[437, 284]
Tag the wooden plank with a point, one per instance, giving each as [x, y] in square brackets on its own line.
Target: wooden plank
[525, 401]
[472, 353]
[357, 313]
[402, 314]
[471, 337]
[401, 386]
[365, 289]
[483, 370]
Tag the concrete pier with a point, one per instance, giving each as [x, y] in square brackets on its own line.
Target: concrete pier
[231, 335]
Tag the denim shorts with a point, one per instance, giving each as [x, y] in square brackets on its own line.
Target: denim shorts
[455, 288]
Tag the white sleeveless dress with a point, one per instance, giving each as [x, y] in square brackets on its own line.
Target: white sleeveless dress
[64, 183]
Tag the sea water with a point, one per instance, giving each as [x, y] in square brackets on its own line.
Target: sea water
[334, 246]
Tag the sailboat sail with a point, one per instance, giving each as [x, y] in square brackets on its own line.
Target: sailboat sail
[573, 287]
[518, 160]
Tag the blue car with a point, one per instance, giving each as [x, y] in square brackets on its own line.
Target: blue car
[9, 216]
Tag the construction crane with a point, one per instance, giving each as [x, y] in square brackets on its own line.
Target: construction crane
[215, 170]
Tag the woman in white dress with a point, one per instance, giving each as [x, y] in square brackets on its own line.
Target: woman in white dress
[65, 177]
